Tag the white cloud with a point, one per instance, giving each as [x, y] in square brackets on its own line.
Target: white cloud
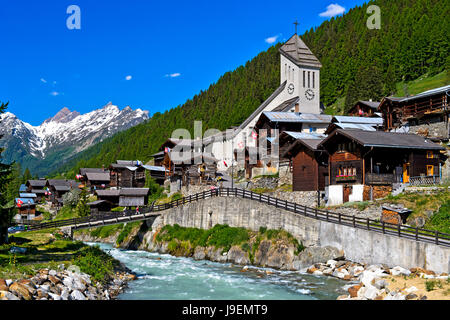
[271, 39]
[54, 93]
[173, 75]
[332, 10]
[43, 80]
[128, 78]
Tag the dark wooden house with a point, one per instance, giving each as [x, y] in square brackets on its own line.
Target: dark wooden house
[127, 174]
[364, 109]
[424, 108]
[99, 207]
[57, 188]
[133, 197]
[97, 180]
[310, 167]
[37, 187]
[378, 158]
[110, 195]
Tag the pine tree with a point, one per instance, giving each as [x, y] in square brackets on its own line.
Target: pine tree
[5, 209]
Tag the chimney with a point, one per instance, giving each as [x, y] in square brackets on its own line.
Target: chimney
[297, 108]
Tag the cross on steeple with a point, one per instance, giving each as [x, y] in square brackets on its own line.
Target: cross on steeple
[296, 24]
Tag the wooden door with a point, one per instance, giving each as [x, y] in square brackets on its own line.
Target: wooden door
[347, 190]
[406, 173]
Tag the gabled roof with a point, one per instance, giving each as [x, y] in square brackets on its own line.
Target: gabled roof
[98, 176]
[154, 168]
[383, 139]
[37, 183]
[107, 193]
[138, 192]
[286, 105]
[374, 121]
[27, 195]
[370, 104]
[311, 144]
[84, 171]
[296, 50]
[297, 117]
[304, 135]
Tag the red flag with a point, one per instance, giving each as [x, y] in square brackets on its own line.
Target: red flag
[225, 163]
[19, 203]
[254, 135]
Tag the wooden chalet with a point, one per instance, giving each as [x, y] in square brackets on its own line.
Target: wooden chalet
[127, 174]
[309, 165]
[125, 197]
[133, 197]
[37, 187]
[26, 208]
[99, 207]
[193, 168]
[158, 158]
[158, 173]
[362, 162]
[424, 108]
[110, 195]
[57, 188]
[94, 178]
[364, 109]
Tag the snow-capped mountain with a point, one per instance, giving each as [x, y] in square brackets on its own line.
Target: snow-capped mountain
[68, 132]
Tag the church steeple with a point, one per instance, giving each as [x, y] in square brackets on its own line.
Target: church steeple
[296, 50]
[300, 69]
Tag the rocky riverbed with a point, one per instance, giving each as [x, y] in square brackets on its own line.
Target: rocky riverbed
[64, 284]
[379, 282]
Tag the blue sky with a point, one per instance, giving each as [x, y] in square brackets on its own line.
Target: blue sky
[152, 55]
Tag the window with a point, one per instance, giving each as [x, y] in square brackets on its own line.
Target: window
[313, 79]
[304, 72]
[312, 129]
[309, 73]
[430, 170]
[430, 155]
[285, 70]
[289, 73]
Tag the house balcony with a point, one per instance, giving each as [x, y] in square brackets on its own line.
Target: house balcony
[346, 178]
[381, 178]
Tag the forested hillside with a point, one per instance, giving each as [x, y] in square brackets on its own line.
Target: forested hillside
[358, 63]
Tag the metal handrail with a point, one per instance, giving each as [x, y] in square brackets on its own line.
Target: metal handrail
[414, 233]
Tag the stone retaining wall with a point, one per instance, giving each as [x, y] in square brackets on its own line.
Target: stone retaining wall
[358, 245]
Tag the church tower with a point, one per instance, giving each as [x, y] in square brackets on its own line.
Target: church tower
[300, 68]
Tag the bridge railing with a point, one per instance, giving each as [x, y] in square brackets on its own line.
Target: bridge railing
[414, 233]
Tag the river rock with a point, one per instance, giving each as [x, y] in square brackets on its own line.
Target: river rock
[400, 271]
[380, 284]
[353, 290]
[20, 290]
[6, 295]
[77, 295]
[52, 273]
[8, 282]
[371, 293]
[199, 253]
[312, 255]
[238, 256]
[54, 296]
[3, 286]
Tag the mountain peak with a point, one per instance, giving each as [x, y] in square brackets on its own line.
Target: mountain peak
[64, 115]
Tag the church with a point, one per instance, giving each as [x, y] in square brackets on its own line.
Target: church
[299, 92]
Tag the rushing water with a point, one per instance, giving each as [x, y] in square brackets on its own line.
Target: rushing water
[165, 277]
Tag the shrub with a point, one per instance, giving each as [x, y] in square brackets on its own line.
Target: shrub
[126, 230]
[96, 263]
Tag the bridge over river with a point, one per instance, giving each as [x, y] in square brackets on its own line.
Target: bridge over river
[361, 239]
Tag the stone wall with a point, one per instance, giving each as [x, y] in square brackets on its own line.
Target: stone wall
[358, 245]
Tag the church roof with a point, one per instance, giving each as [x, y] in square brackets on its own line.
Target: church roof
[296, 50]
[286, 105]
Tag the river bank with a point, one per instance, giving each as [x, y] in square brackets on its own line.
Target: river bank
[45, 266]
[276, 249]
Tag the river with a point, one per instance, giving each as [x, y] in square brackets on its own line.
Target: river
[165, 277]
